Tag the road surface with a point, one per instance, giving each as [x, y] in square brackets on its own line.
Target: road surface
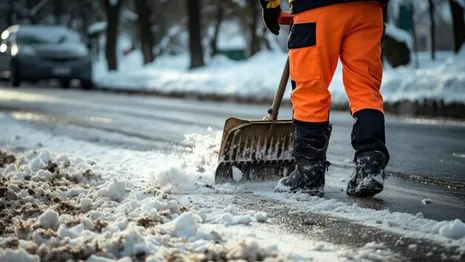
[427, 156]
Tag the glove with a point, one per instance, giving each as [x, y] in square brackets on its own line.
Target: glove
[270, 15]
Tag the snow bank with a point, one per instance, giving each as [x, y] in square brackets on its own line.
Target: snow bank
[399, 34]
[259, 76]
[437, 81]
[64, 218]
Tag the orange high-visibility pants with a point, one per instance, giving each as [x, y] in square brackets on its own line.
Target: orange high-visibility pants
[319, 37]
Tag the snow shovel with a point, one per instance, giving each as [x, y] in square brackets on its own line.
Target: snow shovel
[257, 150]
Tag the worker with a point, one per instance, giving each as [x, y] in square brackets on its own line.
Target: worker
[323, 32]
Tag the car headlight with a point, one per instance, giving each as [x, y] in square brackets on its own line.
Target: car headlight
[14, 50]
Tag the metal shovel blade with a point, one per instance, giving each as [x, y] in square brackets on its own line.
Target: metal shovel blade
[255, 151]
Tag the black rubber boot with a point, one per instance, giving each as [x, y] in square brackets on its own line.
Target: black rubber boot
[310, 145]
[368, 178]
[371, 154]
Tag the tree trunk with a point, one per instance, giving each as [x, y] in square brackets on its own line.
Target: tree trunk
[432, 30]
[254, 44]
[145, 30]
[57, 7]
[414, 35]
[11, 13]
[30, 5]
[219, 20]
[458, 24]
[195, 37]
[112, 12]
[85, 20]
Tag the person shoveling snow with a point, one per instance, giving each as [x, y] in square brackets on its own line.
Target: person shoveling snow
[322, 33]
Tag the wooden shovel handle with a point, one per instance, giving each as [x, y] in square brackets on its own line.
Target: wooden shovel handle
[284, 18]
[278, 98]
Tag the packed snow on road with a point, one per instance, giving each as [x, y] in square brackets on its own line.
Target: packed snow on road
[67, 199]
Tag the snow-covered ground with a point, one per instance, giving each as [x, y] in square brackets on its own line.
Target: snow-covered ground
[66, 199]
[257, 77]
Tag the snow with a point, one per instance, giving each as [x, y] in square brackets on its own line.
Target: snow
[50, 33]
[95, 258]
[45, 156]
[455, 230]
[162, 204]
[115, 190]
[237, 174]
[17, 256]
[399, 35]
[261, 217]
[44, 174]
[184, 226]
[126, 218]
[257, 78]
[37, 164]
[409, 224]
[231, 36]
[49, 219]
[426, 201]
[11, 168]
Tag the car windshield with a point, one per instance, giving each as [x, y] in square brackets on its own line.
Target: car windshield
[37, 36]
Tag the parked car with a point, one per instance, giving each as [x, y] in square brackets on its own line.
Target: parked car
[41, 52]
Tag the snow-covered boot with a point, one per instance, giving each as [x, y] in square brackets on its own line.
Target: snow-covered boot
[310, 145]
[368, 178]
[371, 153]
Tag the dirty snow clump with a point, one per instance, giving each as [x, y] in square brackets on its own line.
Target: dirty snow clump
[19, 255]
[426, 201]
[49, 219]
[115, 190]
[455, 229]
[237, 174]
[185, 225]
[261, 217]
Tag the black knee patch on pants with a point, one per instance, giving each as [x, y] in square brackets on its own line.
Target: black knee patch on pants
[368, 133]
